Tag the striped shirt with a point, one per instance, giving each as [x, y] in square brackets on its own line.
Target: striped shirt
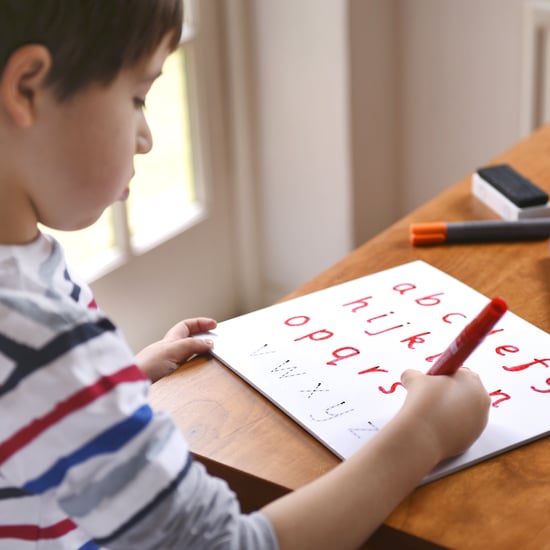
[84, 461]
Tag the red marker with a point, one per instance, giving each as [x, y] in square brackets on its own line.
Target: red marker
[468, 340]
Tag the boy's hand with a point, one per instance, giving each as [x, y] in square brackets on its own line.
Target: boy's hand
[177, 346]
[453, 409]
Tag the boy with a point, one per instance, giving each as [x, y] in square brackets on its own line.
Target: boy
[84, 462]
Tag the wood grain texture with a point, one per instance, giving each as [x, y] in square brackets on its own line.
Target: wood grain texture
[502, 502]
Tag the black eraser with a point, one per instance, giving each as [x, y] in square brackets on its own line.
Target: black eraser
[515, 187]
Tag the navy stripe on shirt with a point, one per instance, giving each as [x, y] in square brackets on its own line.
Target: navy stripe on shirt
[8, 493]
[29, 359]
[147, 509]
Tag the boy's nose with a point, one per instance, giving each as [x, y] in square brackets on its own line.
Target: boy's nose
[144, 142]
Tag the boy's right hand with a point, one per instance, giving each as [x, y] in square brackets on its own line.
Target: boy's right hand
[453, 409]
[441, 417]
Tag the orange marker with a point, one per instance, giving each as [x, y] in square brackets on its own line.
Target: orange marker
[479, 231]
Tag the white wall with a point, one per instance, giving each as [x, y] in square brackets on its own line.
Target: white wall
[303, 138]
[375, 92]
[459, 89]
[367, 108]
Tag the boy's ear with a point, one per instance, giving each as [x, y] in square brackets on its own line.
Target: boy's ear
[24, 74]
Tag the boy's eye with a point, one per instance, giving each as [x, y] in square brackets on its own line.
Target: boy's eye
[139, 103]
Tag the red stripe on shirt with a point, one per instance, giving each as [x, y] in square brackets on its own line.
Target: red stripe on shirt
[34, 532]
[64, 408]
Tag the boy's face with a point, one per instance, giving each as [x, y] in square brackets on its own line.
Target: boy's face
[85, 146]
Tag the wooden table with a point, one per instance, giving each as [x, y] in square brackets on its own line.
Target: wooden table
[501, 503]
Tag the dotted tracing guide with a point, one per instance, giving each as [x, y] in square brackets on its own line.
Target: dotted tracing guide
[332, 360]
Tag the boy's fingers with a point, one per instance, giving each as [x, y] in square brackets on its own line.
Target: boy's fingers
[201, 324]
[186, 347]
[408, 376]
[188, 327]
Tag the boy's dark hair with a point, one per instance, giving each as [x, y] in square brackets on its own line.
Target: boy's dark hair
[90, 41]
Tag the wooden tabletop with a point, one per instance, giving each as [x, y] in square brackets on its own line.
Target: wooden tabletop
[501, 503]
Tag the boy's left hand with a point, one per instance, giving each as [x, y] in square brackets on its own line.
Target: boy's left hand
[177, 346]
